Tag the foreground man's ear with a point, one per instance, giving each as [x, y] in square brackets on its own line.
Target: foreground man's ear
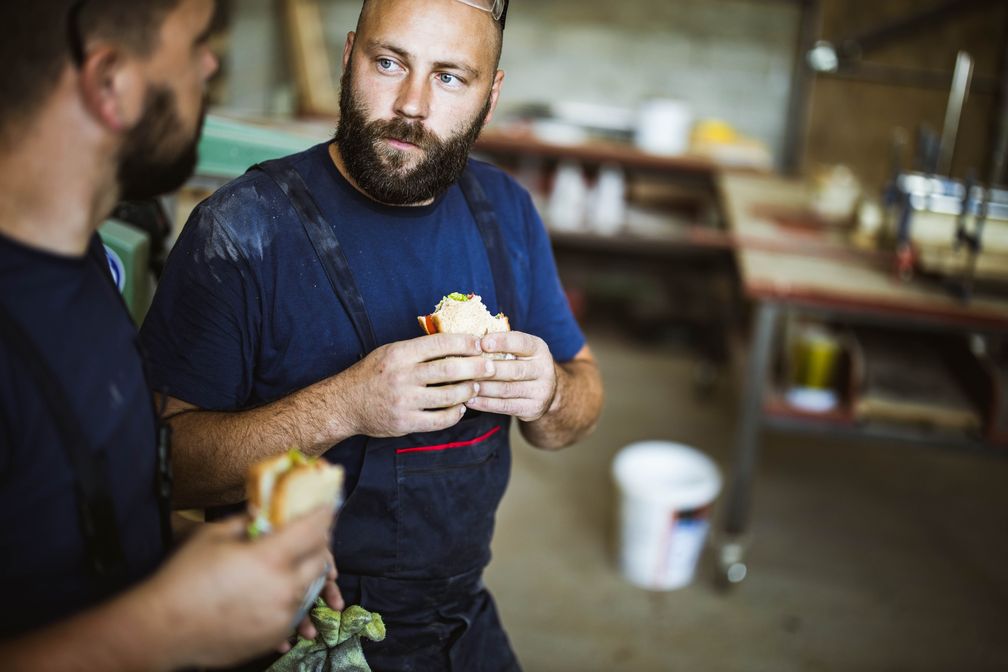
[112, 87]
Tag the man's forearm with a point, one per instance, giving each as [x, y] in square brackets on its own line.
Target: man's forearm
[213, 450]
[574, 410]
[130, 632]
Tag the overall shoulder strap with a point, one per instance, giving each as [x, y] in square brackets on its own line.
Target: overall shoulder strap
[327, 247]
[97, 511]
[493, 240]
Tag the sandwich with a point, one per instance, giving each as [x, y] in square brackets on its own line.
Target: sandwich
[465, 314]
[284, 487]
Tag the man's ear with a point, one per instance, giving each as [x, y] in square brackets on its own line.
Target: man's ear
[495, 90]
[112, 87]
[348, 48]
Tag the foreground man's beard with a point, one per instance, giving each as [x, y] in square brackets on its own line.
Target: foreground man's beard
[146, 168]
[381, 171]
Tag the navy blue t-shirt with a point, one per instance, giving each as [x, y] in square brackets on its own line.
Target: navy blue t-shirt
[69, 309]
[244, 313]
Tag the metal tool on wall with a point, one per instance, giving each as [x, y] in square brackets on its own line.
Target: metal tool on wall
[979, 200]
[962, 76]
[928, 199]
[934, 162]
[989, 198]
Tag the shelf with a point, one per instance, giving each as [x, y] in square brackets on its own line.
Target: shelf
[890, 433]
[776, 406]
[678, 239]
[595, 152]
[841, 424]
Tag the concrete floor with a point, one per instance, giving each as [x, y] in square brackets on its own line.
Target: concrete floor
[864, 556]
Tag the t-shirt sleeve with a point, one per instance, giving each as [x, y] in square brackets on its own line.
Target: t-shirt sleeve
[201, 333]
[549, 314]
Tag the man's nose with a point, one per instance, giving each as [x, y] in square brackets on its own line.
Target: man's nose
[413, 101]
[211, 64]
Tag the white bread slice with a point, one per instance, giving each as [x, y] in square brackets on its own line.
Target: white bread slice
[457, 315]
[303, 488]
[261, 480]
[283, 487]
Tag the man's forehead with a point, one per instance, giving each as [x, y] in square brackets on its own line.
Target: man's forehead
[435, 24]
[192, 16]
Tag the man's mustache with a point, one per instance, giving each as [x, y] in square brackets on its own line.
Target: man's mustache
[406, 131]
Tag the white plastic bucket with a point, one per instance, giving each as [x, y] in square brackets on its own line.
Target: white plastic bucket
[666, 492]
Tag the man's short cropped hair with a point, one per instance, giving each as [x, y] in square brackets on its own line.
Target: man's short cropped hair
[36, 38]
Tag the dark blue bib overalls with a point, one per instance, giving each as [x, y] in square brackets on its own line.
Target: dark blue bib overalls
[414, 534]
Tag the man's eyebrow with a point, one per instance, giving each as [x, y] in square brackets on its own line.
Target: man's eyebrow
[473, 73]
[450, 65]
[375, 45]
[214, 24]
[205, 33]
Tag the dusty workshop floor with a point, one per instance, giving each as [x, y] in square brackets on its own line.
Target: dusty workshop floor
[865, 556]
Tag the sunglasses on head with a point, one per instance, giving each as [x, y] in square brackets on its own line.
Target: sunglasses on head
[496, 8]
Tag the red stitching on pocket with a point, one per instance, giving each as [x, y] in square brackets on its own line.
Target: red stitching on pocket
[453, 444]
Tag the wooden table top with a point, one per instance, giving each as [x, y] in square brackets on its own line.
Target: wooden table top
[785, 253]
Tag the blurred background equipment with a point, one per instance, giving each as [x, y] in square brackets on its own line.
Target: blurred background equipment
[128, 251]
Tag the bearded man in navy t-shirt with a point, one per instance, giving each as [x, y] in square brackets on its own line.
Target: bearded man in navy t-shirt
[287, 316]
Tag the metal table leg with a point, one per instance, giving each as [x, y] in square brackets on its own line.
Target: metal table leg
[735, 520]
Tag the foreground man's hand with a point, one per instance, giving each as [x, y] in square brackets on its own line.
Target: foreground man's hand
[233, 598]
[330, 595]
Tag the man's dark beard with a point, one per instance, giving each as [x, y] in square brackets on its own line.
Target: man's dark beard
[382, 174]
[146, 169]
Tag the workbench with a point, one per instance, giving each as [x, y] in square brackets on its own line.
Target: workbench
[791, 263]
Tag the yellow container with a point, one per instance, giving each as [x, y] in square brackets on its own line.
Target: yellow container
[814, 359]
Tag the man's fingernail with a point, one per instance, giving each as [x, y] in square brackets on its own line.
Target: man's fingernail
[479, 345]
[475, 389]
[462, 409]
[488, 367]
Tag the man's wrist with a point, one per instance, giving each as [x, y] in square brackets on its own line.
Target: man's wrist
[338, 423]
[561, 380]
[160, 629]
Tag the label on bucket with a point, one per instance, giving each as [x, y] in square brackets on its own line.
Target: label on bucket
[660, 549]
[686, 543]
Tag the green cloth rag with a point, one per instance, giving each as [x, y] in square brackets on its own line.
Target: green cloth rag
[337, 646]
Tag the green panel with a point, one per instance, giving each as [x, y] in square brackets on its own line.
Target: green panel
[130, 250]
[228, 147]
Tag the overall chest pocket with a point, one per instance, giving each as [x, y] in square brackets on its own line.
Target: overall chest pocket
[448, 494]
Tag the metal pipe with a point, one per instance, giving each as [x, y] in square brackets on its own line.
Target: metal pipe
[801, 89]
[953, 112]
